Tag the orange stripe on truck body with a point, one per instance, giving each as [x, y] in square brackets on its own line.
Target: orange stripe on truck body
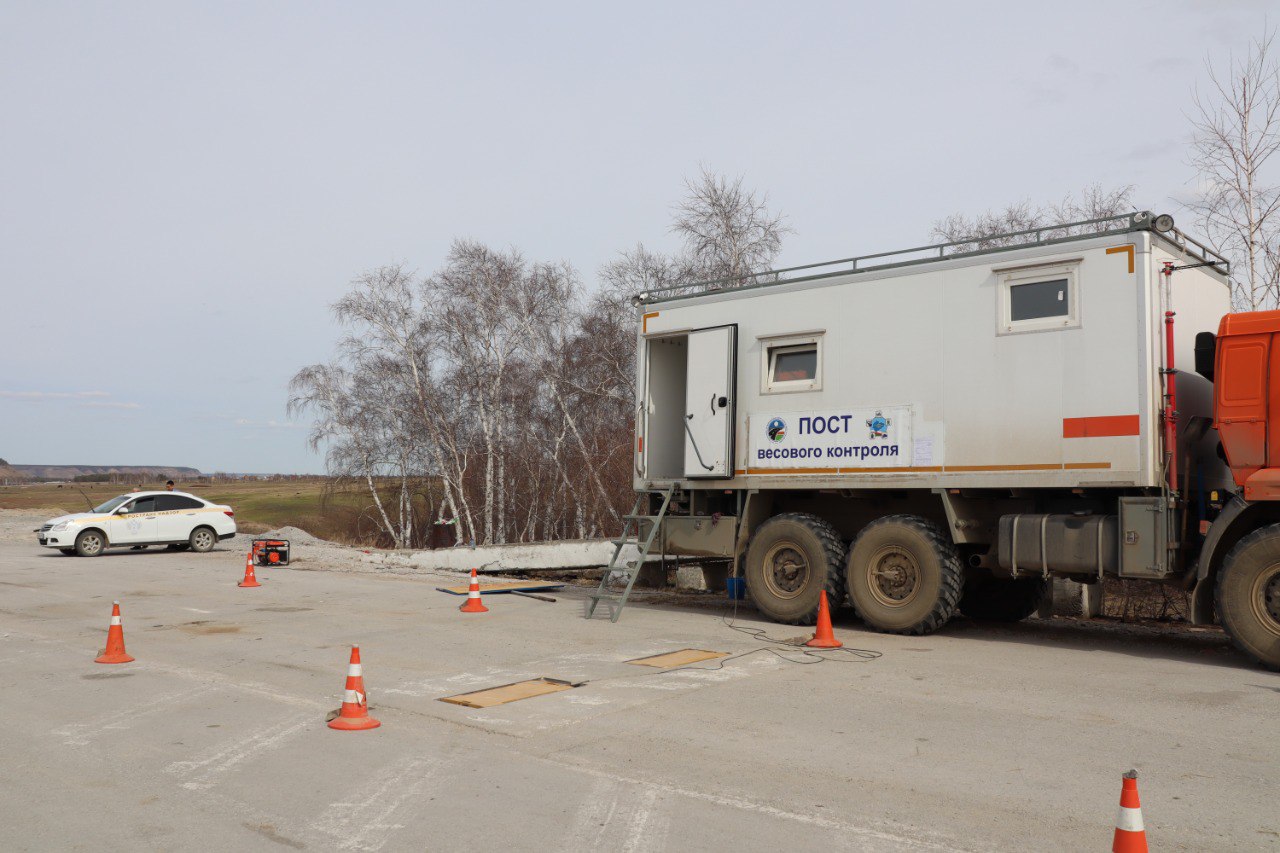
[1111, 425]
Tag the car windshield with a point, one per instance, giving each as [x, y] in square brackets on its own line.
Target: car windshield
[111, 504]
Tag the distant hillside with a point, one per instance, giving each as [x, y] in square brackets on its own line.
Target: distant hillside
[70, 472]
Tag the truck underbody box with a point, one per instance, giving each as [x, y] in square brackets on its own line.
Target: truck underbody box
[1068, 544]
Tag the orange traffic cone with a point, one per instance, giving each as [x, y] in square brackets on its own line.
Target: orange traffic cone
[114, 652]
[822, 637]
[250, 579]
[473, 603]
[1131, 835]
[354, 715]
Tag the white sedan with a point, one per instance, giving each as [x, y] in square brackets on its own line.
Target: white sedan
[176, 519]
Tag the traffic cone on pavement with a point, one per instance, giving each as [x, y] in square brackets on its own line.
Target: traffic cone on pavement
[1131, 836]
[250, 579]
[354, 715]
[114, 652]
[822, 636]
[473, 603]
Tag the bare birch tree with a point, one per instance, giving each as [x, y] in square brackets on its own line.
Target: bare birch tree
[729, 233]
[1236, 131]
[500, 380]
[991, 229]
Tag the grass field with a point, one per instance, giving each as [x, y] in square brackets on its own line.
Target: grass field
[259, 505]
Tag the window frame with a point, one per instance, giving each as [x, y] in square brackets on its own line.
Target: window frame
[771, 344]
[164, 499]
[1011, 278]
[133, 506]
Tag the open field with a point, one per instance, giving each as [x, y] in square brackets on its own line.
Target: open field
[977, 738]
[259, 504]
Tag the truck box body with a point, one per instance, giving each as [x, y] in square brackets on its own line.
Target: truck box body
[1034, 366]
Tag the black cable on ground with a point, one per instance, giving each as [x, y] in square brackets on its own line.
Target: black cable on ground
[780, 649]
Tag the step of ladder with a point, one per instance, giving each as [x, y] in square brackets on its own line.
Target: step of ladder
[630, 536]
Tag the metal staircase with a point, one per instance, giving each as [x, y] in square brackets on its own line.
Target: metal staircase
[631, 532]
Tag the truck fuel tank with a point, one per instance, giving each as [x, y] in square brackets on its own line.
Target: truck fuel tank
[1068, 544]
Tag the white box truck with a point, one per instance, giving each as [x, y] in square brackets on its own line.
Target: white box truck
[944, 428]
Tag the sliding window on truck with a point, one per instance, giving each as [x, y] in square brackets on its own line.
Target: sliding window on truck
[690, 383]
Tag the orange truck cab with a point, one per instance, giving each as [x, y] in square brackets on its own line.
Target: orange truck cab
[1238, 570]
[1246, 401]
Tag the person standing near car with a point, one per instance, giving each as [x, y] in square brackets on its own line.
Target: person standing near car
[168, 487]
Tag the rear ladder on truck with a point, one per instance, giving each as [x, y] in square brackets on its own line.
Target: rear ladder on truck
[631, 531]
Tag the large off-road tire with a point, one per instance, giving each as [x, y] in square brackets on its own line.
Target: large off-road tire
[91, 543]
[999, 600]
[202, 540]
[904, 575]
[794, 557]
[1248, 595]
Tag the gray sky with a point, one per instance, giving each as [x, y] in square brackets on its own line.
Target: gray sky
[185, 188]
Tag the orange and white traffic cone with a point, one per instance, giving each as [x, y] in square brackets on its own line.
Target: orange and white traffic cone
[1131, 835]
[473, 603]
[114, 652]
[250, 579]
[354, 715]
[823, 638]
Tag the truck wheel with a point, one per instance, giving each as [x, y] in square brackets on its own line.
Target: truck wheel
[904, 575]
[1248, 596]
[202, 540]
[91, 543]
[997, 600]
[793, 557]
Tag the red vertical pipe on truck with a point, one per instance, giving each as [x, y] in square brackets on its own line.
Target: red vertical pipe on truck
[1170, 385]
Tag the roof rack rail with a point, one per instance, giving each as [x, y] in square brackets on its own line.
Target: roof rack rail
[1141, 220]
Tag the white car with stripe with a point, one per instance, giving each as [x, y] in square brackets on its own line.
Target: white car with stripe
[177, 519]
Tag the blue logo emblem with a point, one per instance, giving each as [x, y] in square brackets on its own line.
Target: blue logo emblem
[777, 430]
[879, 425]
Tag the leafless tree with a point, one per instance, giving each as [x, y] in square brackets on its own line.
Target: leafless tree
[1236, 130]
[363, 439]
[729, 233]
[505, 383]
[993, 228]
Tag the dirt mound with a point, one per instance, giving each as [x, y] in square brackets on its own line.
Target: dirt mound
[295, 535]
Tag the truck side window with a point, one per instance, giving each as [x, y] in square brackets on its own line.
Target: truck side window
[791, 364]
[1038, 299]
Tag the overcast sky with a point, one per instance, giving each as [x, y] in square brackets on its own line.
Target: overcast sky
[185, 188]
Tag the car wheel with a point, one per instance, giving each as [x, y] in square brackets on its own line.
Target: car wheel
[67, 551]
[90, 543]
[202, 540]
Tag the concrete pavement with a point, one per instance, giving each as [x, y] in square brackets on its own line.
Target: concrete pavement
[978, 738]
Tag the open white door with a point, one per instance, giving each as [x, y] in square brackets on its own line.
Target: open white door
[709, 402]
